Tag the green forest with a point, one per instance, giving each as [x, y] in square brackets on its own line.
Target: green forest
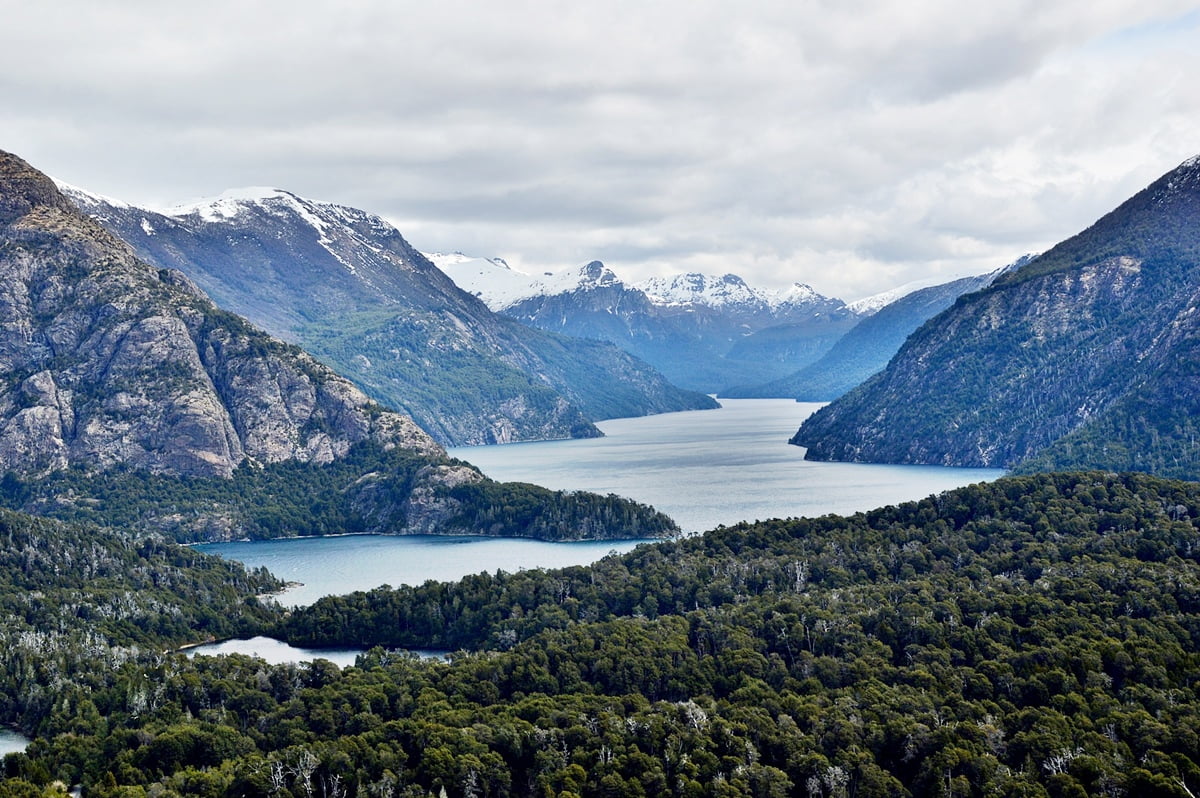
[1035, 636]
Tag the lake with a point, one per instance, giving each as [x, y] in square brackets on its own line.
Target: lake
[11, 742]
[276, 652]
[709, 467]
[703, 468]
[335, 565]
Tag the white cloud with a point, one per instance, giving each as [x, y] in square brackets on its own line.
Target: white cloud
[850, 145]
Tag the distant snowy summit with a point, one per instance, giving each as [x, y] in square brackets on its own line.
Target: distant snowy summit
[501, 287]
[725, 291]
[869, 306]
[695, 328]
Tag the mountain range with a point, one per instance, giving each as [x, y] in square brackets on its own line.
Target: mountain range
[703, 332]
[868, 346]
[127, 397]
[1088, 356]
[707, 332]
[346, 286]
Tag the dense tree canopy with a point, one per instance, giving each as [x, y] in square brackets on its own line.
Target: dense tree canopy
[1034, 636]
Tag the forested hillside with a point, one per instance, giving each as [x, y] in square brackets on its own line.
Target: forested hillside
[77, 599]
[1086, 357]
[1036, 636]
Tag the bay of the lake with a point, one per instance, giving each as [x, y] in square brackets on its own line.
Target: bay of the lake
[338, 565]
[703, 468]
[12, 742]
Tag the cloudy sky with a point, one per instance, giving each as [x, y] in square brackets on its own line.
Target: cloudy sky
[851, 145]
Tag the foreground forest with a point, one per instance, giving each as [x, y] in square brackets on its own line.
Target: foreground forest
[1033, 636]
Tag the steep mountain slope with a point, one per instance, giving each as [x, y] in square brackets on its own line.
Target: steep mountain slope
[107, 360]
[1085, 356]
[349, 288]
[113, 371]
[704, 333]
[867, 347]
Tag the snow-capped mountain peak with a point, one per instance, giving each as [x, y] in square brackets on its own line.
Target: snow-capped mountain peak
[491, 279]
[232, 202]
[85, 198]
[443, 260]
[726, 291]
[797, 294]
[869, 306]
[591, 275]
[349, 235]
[699, 289]
[501, 286]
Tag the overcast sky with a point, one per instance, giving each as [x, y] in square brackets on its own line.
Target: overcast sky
[851, 145]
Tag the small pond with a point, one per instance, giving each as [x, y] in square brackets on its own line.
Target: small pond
[277, 652]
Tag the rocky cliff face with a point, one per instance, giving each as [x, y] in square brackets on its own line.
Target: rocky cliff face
[1086, 357]
[106, 361]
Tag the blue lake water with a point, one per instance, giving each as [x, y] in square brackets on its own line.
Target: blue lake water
[11, 742]
[703, 468]
[337, 565]
[709, 467]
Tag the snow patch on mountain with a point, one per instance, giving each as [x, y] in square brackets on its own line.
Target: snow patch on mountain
[228, 205]
[501, 286]
[725, 291]
[869, 306]
[492, 280]
[698, 289]
[86, 199]
[326, 219]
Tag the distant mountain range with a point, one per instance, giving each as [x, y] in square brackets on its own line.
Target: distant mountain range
[870, 344]
[1088, 356]
[346, 286]
[707, 333]
[128, 398]
[704, 333]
